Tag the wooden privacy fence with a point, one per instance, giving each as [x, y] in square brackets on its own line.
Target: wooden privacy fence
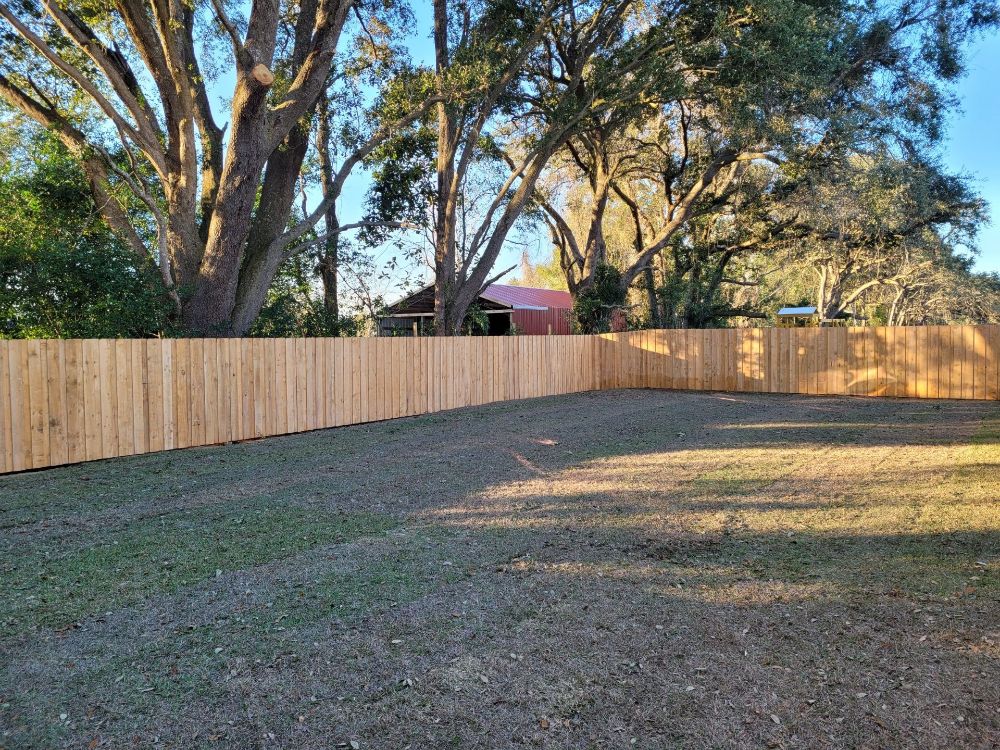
[65, 401]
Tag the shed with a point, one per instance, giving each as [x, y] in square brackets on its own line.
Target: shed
[799, 317]
[525, 309]
[796, 317]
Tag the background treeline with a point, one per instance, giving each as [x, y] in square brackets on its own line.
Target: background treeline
[180, 168]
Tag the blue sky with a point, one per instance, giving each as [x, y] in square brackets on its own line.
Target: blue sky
[973, 146]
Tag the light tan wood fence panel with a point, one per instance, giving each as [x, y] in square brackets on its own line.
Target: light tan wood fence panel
[959, 362]
[68, 401]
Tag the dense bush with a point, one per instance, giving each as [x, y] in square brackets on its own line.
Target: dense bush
[594, 306]
[63, 274]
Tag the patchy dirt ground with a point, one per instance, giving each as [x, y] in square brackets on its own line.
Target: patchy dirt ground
[622, 569]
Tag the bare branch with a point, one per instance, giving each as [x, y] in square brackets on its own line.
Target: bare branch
[382, 134]
[322, 239]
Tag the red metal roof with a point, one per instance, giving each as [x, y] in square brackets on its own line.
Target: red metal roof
[528, 298]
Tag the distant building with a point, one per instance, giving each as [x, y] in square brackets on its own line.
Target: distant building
[797, 317]
[525, 309]
[805, 316]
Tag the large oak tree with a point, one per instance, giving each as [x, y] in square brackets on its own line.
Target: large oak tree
[124, 85]
[742, 90]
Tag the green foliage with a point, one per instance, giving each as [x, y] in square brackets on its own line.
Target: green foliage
[294, 307]
[544, 275]
[593, 307]
[402, 182]
[63, 274]
[476, 322]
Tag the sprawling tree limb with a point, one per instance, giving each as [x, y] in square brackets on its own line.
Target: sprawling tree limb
[381, 134]
[150, 147]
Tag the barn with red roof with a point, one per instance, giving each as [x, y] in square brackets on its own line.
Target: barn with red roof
[509, 309]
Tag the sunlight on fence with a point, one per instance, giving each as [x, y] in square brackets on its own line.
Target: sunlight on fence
[65, 401]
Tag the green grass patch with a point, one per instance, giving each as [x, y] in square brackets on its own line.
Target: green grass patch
[910, 565]
[92, 487]
[989, 431]
[183, 665]
[47, 587]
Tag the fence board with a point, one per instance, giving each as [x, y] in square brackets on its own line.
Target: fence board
[38, 403]
[56, 386]
[992, 336]
[123, 394]
[152, 352]
[108, 411]
[20, 406]
[196, 378]
[76, 443]
[970, 362]
[6, 449]
[956, 358]
[140, 397]
[167, 376]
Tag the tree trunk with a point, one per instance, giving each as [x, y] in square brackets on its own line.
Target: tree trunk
[444, 224]
[209, 310]
[654, 307]
[596, 249]
[261, 261]
[328, 265]
[329, 261]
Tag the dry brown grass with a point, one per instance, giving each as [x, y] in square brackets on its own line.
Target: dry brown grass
[627, 569]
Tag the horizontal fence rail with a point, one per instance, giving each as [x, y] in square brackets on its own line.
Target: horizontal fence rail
[64, 401]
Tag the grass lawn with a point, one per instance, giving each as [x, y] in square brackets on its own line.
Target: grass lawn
[620, 569]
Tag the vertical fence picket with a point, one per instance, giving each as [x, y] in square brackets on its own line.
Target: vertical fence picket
[993, 362]
[76, 442]
[20, 407]
[38, 403]
[196, 379]
[55, 391]
[6, 445]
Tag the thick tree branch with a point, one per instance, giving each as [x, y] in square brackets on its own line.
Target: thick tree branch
[94, 162]
[149, 147]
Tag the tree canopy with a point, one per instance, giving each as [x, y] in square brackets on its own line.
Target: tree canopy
[712, 158]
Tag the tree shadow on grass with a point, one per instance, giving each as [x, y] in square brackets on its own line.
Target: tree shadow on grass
[475, 635]
[618, 565]
[477, 447]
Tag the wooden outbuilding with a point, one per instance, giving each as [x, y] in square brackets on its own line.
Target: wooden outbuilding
[509, 309]
[807, 316]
